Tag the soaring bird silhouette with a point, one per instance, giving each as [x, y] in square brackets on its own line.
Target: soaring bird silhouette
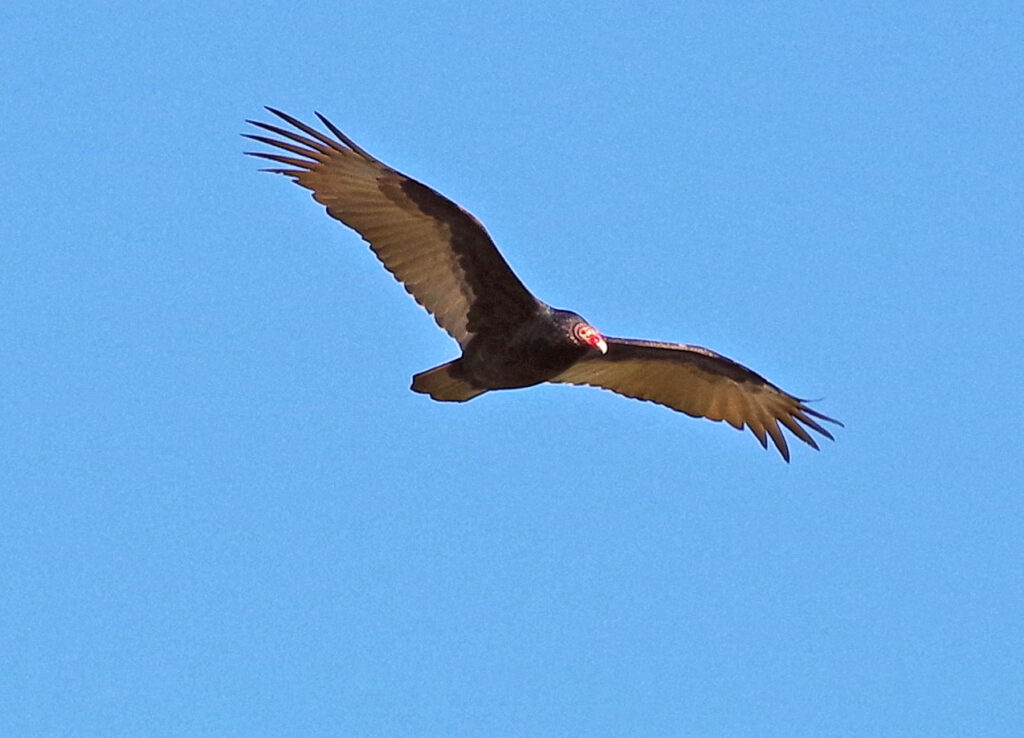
[449, 264]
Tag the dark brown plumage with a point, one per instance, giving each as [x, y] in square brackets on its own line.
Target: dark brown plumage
[449, 264]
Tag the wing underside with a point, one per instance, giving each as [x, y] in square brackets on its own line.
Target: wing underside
[438, 251]
[700, 383]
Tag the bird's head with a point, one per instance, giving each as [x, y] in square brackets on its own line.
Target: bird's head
[588, 335]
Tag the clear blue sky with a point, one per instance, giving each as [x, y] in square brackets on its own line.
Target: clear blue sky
[224, 513]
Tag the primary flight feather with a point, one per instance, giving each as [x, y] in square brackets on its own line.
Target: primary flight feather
[449, 264]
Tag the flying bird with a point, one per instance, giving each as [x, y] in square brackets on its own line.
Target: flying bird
[447, 261]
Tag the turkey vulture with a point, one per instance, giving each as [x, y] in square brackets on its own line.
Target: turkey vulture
[449, 264]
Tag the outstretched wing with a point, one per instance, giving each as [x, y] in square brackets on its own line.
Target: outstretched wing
[700, 383]
[438, 251]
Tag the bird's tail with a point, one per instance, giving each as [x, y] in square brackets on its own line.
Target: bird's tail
[443, 384]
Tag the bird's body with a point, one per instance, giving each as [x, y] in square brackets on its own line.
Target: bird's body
[509, 338]
[534, 351]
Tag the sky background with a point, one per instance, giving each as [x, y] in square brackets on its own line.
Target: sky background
[223, 512]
